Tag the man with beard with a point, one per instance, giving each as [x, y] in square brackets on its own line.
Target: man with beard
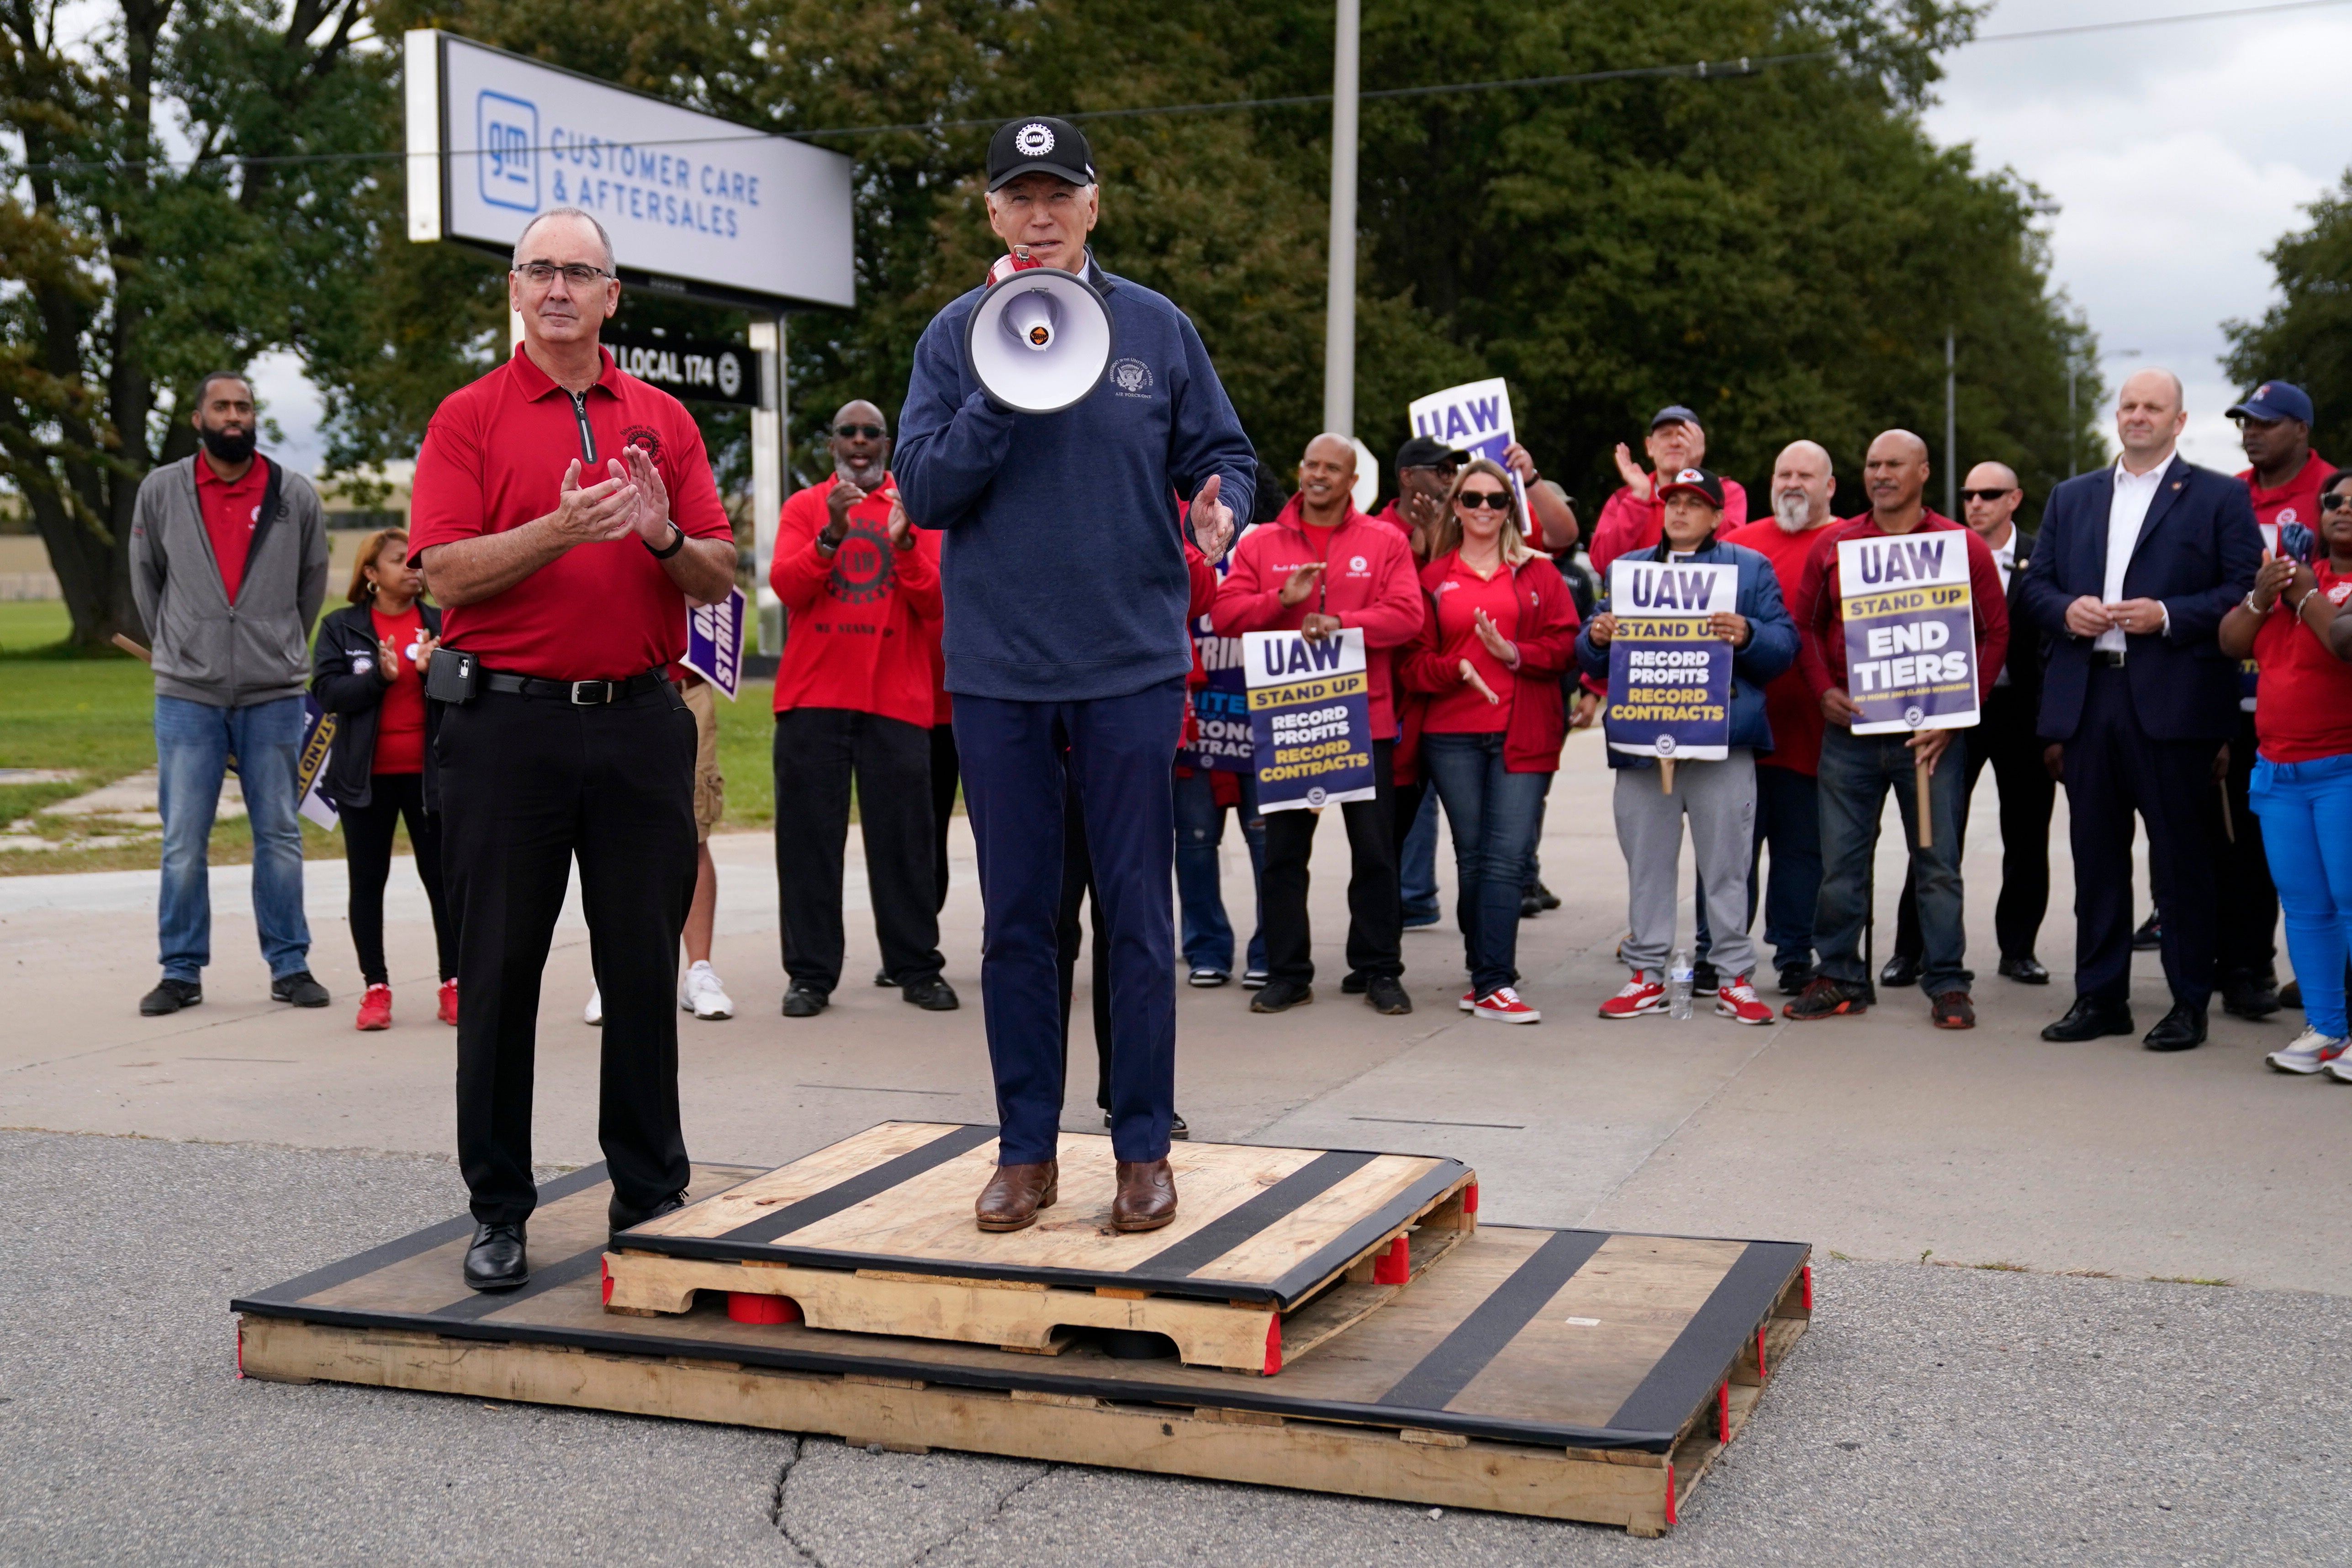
[228, 564]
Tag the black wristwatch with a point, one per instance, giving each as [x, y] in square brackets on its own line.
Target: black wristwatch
[676, 544]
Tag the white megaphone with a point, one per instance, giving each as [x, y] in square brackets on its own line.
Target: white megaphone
[1040, 339]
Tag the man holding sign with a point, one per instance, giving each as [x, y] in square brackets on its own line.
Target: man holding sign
[1904, 627]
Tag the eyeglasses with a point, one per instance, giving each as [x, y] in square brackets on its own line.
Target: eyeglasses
[1498, 500]
[580, 275]
[1983, 495]
[2338, 501]
[871, 431]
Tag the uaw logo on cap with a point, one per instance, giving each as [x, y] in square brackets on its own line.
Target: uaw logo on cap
[2263, 390]
[1034, 141]
[1690, 476]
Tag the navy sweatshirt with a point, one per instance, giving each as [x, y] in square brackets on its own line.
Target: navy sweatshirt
[1063, 557]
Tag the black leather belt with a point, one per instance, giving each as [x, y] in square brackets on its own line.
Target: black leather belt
[579, 694]
[2113, 658]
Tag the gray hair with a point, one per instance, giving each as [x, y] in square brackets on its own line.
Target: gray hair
[588, 218]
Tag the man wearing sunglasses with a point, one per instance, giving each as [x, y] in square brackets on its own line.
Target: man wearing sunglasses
[854, 696]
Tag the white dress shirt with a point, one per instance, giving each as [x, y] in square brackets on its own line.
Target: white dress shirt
[2005, 558]
[2135, 493]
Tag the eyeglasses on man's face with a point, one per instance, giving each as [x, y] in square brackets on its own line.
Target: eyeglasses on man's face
[1986, 495]
[1495, 499]
[851, 432]
[579, 274]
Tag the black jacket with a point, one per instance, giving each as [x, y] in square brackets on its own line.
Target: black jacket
[355, 695]
[2028, 646]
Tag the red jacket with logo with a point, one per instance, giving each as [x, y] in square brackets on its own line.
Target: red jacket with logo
[861, 622]
[1368, 582]
[1546, 644]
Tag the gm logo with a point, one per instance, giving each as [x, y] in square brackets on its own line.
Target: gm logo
[507, 131]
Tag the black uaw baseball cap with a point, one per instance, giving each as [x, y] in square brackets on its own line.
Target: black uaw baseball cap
[1039, 144]
[1697, 482]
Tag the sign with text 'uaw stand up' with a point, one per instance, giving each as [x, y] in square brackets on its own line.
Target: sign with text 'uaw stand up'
[1310, 719]
[1910, 631]
[1669, 674]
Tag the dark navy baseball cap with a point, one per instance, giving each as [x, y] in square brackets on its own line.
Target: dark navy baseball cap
[1697, 482]
[1428, 452]
[2275, 400]
[1674, 413]
[1039, 144]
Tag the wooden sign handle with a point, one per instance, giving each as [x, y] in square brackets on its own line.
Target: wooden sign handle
[1666, 773]
[1926, 823]
[127, 646]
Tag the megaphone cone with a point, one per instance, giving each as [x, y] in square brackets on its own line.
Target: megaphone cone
[1039, 341]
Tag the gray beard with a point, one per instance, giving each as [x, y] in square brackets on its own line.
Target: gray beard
[1793, 513]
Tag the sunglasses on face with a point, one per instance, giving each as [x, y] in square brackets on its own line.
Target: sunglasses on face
[2335, 501]
[1982, 495]
[1496, 499]
[849, 431]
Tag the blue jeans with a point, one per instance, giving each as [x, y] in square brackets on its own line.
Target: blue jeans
[1856, 772]
[1208, 936]
[1417, 864]
[1494, 813]
[2303, 807]
[193, 743]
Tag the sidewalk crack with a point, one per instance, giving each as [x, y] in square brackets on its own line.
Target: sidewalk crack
[1004, 1501]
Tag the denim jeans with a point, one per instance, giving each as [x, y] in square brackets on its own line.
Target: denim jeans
[2304, 806]
[1417, 869]
[193, 743]
[1208, 936]
[1494, 814]
[1856, 772]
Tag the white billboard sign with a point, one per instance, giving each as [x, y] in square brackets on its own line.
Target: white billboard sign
[494, 139]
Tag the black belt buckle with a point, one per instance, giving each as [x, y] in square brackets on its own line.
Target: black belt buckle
[591, 693]
[2113, 658]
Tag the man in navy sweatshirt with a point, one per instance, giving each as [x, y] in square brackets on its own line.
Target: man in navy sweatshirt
[1066, 651]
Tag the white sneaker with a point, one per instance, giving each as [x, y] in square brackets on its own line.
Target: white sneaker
[2341, 1069]
[595, 1011]
[2311, 1051]
[702, 995]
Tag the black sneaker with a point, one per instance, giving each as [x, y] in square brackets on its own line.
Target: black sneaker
[1826, 998]
[805, 1002]
[1281, 996]
[1545, 897]
[933, 996]
[2150, 935]
[169, 997]
[884, 978]
[1794, 978]
[299, 989]
[1705, 981]
[2255, 996]
[1530, 906]
[1386, 995]
[1353, 983]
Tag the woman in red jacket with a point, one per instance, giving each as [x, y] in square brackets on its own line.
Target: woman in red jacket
[1501, 628]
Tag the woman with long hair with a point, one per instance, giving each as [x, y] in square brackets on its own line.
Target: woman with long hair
[1501, 628]
[367, 669]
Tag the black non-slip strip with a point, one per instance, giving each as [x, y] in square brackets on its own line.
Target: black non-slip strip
[409, 1245]
[856, 1189]
[1344, 1248]
[1445, 1372]
[1237, 1225]
[476, 1306]
[1687, 1373]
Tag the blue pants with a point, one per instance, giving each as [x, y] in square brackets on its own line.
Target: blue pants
[1417, 864]
[1856, 772]
[1200, 829]
[2303, 807]
[1494, 813]
[1121, 751]
[193, 743]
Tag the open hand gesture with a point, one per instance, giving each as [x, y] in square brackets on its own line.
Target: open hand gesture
[1496, 643]
[1298, 585]
[596, 515]
[1212, 520]
[387, 661]
[1631, 471]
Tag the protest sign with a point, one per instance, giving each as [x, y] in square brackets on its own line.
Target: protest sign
[1669, 675]
[1476, 417]
[1310, 718]
[1910, 633]
[714, 642]
[310, 764]
[1221, 713]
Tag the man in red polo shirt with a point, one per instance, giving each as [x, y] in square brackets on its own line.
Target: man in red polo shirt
[565, 516]
[855, 695]
[1632, 518]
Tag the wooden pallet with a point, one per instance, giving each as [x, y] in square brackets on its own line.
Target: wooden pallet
[1272, 1253]
[1568, 1375]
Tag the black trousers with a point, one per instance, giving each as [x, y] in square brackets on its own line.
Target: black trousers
[2247, 947]
[817, 751]
[529, 785]
[2113, 769]
[1375, 908]
[2006, 740]
[1079, 887]
[367, 854]
[946, 774]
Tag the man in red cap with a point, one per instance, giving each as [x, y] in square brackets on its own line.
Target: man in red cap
[1632, 518]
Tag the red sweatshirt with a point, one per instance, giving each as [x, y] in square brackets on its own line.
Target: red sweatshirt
[1820, 609]
[862, 619]
[1789, 705]
[1369, 583]
[1535, 721]
[1626, 525]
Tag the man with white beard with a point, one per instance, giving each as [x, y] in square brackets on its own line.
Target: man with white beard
[1788, 806]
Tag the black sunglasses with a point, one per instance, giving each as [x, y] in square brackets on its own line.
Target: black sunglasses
[2335, 501]
[871, 431]
[1500, 501]
[1982, 495]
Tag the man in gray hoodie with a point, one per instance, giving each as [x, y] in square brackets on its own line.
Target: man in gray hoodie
[228, 562]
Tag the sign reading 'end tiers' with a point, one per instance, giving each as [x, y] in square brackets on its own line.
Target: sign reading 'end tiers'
[495, 139]
[1910, 633]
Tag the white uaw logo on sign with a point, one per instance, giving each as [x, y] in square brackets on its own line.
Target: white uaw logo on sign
[731, 375]
[1666, 745]
[1132, 377]
[1034, 141]
[1915, 715]
[1315, 797]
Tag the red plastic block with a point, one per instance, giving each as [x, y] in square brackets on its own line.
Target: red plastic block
[1470, 1198]
[1274, 1345]
[749, 1306]
[1670, 1493]
[1809, 1287]
[1762, 1371]
[240, 1350]
[606, 1268]
[1723, 1413]
[1394, 1266]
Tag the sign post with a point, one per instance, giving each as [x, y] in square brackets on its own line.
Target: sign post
[1310, 719]
[1669, 674]
[1910, 640]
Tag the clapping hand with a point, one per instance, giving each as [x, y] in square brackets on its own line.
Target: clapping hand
[1496, 643]
[902, 528]
[1212, 520]
[1631, 471]
[596, 515]
[652, 517]
[387, 661]
[424, 646]
[1298, 585]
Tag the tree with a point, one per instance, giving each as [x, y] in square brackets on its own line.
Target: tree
[2306, 337]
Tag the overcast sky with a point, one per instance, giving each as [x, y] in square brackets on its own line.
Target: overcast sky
[2178, 153]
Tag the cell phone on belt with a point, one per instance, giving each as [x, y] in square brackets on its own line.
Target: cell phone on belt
[453, 676]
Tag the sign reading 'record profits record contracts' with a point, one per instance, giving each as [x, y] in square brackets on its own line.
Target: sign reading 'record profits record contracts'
[1910, 631]
[1669, 675]
[1310, 718]
[495, 139]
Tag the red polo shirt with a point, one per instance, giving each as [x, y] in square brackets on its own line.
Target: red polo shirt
[1789, 705]
[2306, 712]
[862, 623]
[232, 511]
[2296, 501]
[494, 459]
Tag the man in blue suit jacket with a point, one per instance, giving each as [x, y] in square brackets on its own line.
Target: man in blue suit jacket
[2134, 567]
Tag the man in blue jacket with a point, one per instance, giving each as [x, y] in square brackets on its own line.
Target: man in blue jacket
[1066, 590]
[2134, 567]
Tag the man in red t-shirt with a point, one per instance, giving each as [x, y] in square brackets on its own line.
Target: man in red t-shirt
[565, 516]
[856, 694]
[1632, 518]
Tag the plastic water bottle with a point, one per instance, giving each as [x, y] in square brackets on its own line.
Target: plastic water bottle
[1679, 984]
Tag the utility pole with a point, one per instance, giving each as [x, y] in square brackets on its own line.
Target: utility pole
[1340, 314]
[1951, 430]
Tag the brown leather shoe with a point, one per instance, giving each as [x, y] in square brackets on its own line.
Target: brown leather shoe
[1014, 1194]
[1146, 1196]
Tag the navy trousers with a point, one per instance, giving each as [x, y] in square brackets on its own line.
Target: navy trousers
[1119, 752]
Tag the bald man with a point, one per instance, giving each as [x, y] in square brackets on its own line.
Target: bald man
[2134, 569]
[2008, 739]
[1322, 567]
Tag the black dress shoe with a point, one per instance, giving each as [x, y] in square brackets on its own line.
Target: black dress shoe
[1902, 969]
[1281, 996]
[2025, 971]
[496, 1261]
[620, 1216]
[2150, 935]
[1386, 995]
[1177, 1130]
[2254, 998]
[1352, 983]
[2290, 995]
[298, 988]
[169, 997]
[2089, 1019]
[933, 996]
[1530, 906]
[2182, 1028]
[884, 978]
[1544, 897]
[803, 1002]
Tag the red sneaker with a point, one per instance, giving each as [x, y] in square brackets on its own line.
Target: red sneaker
[1738, 1002]
[1644, 993]
[449, 1003]
[375, 1008]
[1502, 1004]
[1469, 1001]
